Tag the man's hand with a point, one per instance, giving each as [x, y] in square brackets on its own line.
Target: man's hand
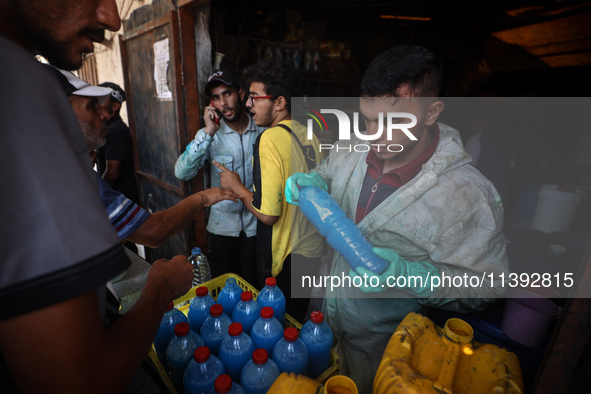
[214, 195]
[292, 191]
[230, 179]
[170, 278]
[209, 116]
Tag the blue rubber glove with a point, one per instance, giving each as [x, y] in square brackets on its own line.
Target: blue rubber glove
[292, 192]
[414, 273]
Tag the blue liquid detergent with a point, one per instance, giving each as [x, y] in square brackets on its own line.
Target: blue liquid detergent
[341, 232]
[317, 336]
[272, 296]
[180, 351]
[202, 372]
[199, 308]
[266, 331]
[229, 296]
[225, 385]
[290, 354]
[215, 328]
[171, 318]
[259, 373]
[246, 312]
[236, 350]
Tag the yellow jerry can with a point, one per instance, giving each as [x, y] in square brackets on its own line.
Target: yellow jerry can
[300, 384]
[424, 358]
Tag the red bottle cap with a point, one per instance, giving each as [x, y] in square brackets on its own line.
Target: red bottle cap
[260, 356]
[317, 317]
[223, 384]
[181, 329]
[246, 296]
[266, 312]
[216, 310]
[201, 291]
[201, 354]
[290, 334]
[170, 306]
[271, 282]
[235, 329]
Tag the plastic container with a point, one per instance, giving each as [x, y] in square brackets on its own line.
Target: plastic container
[199, 308]
[341, 232]
[201, 270]
[215, 328]
[224, 385]
[180, 351]
[266, 331]
[317, 336]
[556, 209]
[202, 372]
[272, 296]
[423, 358]
[246, 312]
[229, 297]
[259, 373]
[171, 318]
[527, 317]
[236, 350]
[290, 353]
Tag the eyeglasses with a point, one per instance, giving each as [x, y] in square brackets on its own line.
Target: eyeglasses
[251, 98]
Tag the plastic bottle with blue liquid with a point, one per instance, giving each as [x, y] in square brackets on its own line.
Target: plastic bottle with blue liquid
[259, 373]
[202, 372]
[199, 308]
[317, 336]
[290, 354]
[171, 318]
[229, 296]
[225, 385]
[180, 351]
[246, 312]
[236, 350]
[215, 328]
[266, 331]
[272, 296]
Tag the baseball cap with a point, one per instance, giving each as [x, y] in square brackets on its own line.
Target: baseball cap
[71, 84]
[117, 93]
[221, 76]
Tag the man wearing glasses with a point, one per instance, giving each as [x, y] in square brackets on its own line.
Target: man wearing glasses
[278, 153]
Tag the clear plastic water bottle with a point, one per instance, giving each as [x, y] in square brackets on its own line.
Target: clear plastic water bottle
[317, 336]
[171, 318]
[199, 308]
[266, 331]
[202, 372]
[290, 353]
[215, 328]
[224, 385]
[272, 296]
[259, 373]
[201, 271]
[230, 296]
[246, 312]
[236, 350]
[180, 351]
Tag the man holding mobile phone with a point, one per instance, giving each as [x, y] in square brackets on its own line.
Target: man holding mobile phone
[231, 228]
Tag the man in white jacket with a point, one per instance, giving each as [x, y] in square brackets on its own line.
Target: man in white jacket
[417, 201]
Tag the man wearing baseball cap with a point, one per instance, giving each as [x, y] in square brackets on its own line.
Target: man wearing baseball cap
[228, 138]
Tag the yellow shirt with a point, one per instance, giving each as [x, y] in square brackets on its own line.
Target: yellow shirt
[276, 156]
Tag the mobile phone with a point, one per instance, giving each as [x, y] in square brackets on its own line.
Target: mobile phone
[216, 117]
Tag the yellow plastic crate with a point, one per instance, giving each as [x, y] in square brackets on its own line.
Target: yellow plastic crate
[215, 286]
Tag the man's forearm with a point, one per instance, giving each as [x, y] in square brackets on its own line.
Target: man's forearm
[246, 198]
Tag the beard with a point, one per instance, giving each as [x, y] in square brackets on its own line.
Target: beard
[237, 112]
[95, 138]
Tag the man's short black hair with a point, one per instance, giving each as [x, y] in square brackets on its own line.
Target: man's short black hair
[405, 64]
[279, 78]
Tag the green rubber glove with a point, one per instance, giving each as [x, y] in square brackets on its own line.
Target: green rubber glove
[292, 192]
[414, 274]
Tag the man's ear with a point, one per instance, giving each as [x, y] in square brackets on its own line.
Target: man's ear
[280, 103]
[433, 112]
[116, 106]
[242, 94]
